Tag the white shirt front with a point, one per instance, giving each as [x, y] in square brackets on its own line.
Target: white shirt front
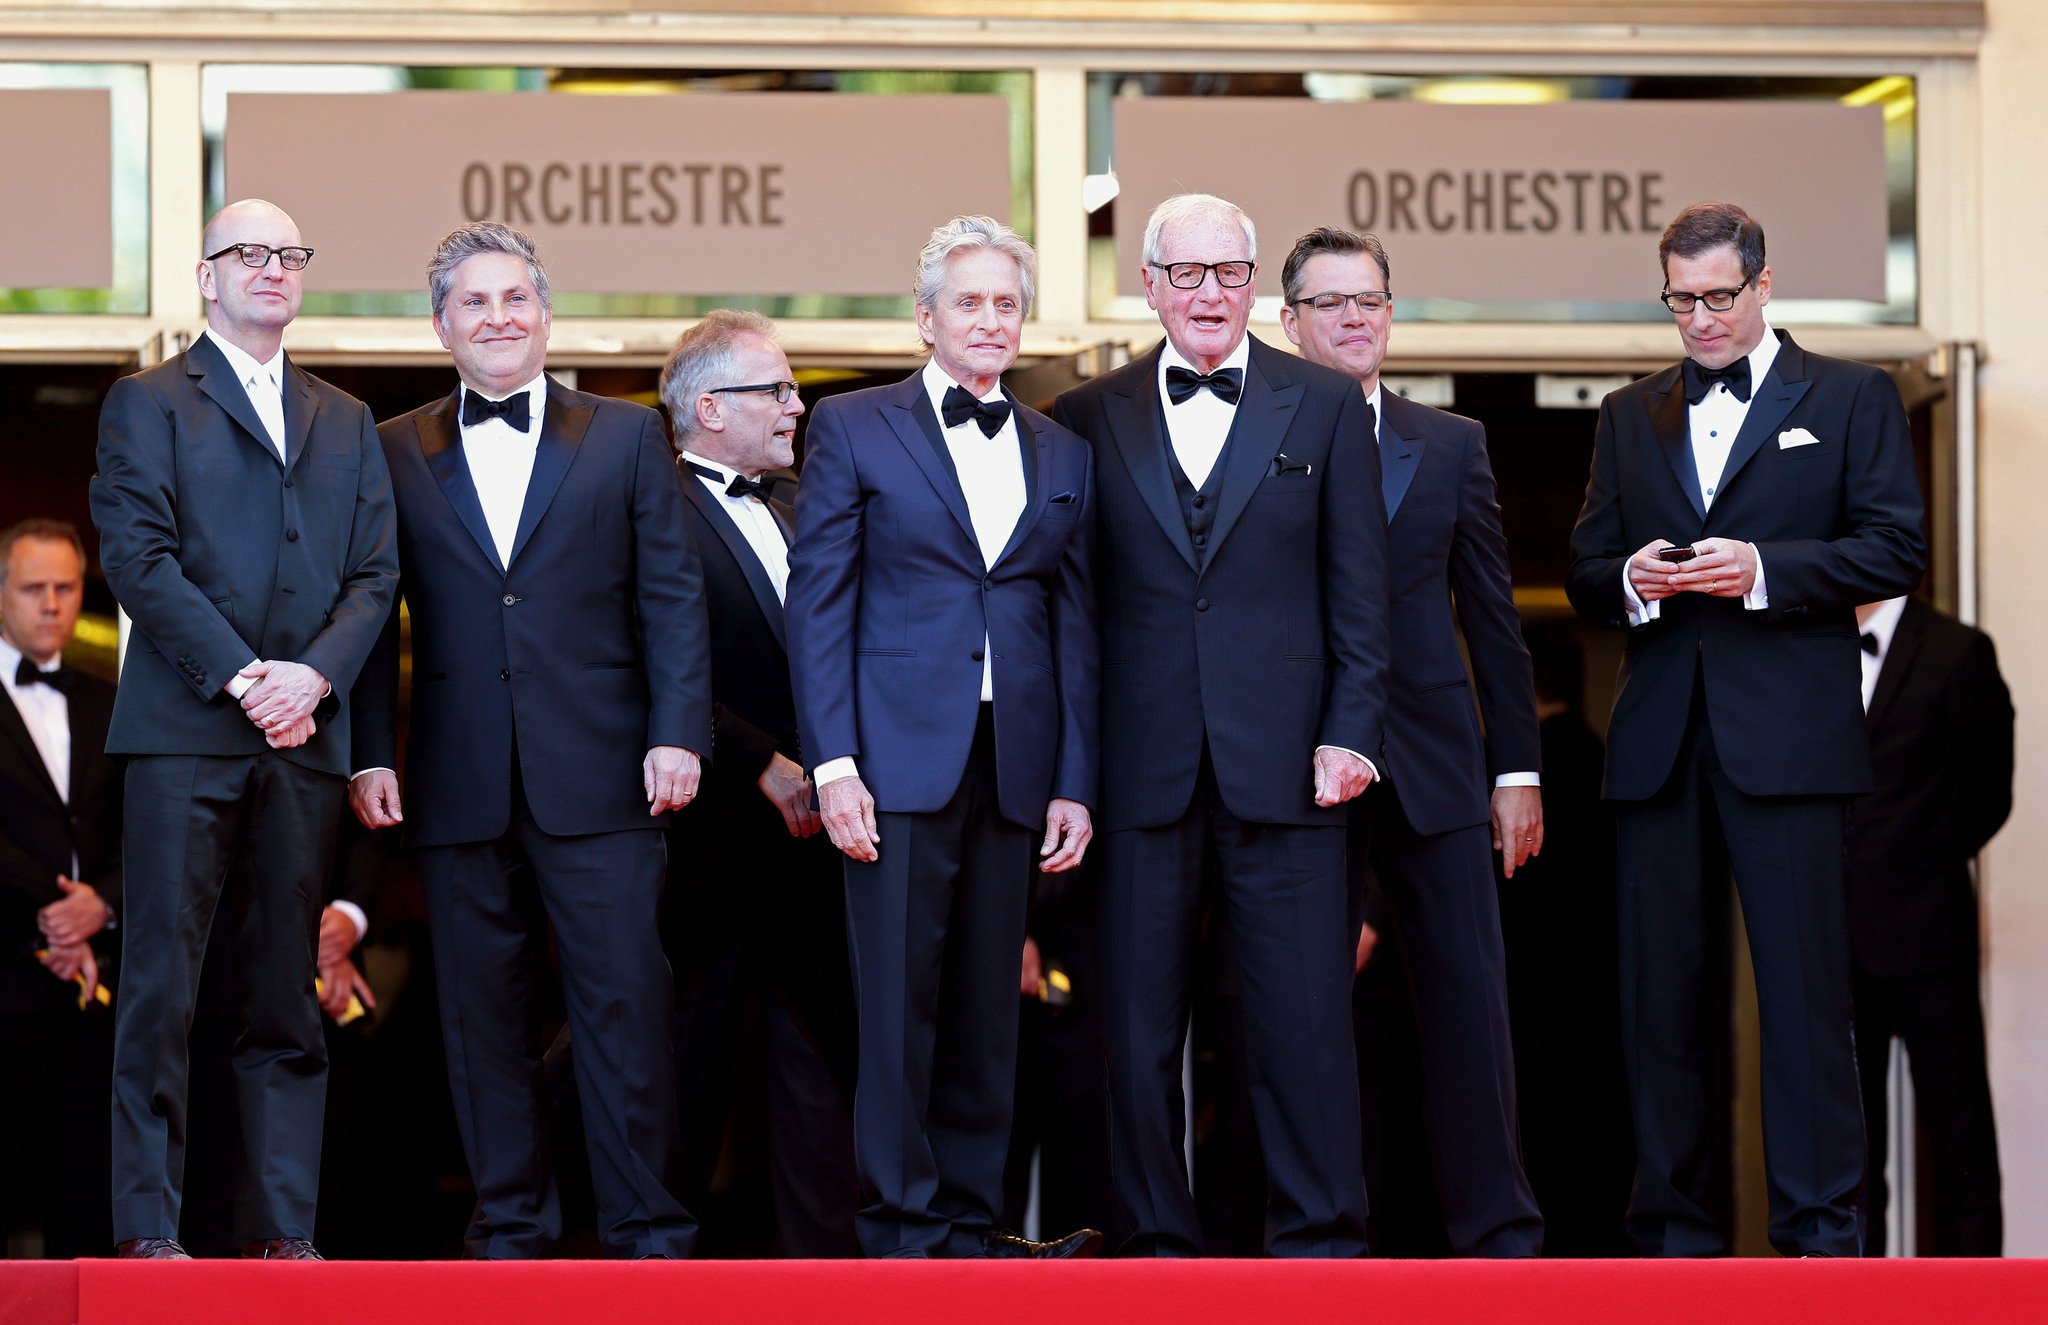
[1200, 425]
[500, 461]
[47, 715]
[756, 522]
[1883, 623]
[265, 384]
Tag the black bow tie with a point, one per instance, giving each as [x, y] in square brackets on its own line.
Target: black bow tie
[1700, 379]
[1226, 384]
[1870, 643]
[959, 407]
[29, 674]
[515, 409]
[742, 486]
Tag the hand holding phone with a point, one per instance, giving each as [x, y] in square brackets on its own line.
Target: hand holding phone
[1677, 554]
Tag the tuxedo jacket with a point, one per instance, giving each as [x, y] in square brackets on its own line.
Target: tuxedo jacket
[1277, 643]
[1448, 563]
[889, 604]
[588, 649]
[1941, 753]
[40, 833]
[1837, 522]
[222, 553]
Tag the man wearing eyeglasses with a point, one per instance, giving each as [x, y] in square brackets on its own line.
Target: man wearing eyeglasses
[1741, 504]
[561, 698]
[247, 526]
[1242, 575]
[1450, 789]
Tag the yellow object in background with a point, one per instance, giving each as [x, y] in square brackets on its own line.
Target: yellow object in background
[86, 997]
[354, 1009]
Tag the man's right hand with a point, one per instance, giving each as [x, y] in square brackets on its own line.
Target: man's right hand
[788, 790]
[67, 960]
[1650, 574]
[849, 814]
[374, 798]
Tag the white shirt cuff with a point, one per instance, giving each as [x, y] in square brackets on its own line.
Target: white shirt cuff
[834, 770]
[1354, 754]
[377, 768]
[1639, 612]
[238, 685]
[355, 914]
[1758, 598]
[1519, 780]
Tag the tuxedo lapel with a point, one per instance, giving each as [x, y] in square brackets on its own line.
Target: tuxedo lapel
[300, 405]
[1037, 459]
[1669, 421]
[743, 554]
[1400, 456]
[561, 432]
[1782, 388]
[918, 430]
[1907, 637]
[1263, 415]
[1137, 433]
[205, 362]
[441, 443]
[17, 734]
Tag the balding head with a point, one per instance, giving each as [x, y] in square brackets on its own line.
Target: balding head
[249, 307]
[250, 221]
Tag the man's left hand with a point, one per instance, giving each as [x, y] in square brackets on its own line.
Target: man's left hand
[1068, 831]
[67, 961]
[1340, 776]
[1724, 568]
[1517, 826]
[284, 693]
[75, 919]
[670, 774]
[338, 937]
[338, 983]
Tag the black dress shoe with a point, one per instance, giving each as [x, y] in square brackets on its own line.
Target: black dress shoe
[1076, 1246]
[281, 1249]
[152, 1249]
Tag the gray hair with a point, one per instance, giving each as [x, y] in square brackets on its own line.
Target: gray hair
[473, 240]
[702, 359]
[963, 233]
[1190, 207]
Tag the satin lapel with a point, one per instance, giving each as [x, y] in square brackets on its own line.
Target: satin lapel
[205, 362]
[1137, 432]
[300, 405]
[17, 730]
[1674, 434]
[1400, 458]
[441, 443]
[1907, 637]
[713, 511]
[561, 432]
[1036, 454]
[1255, 437]
[785, 520]
[1782, 388]
[918, 430]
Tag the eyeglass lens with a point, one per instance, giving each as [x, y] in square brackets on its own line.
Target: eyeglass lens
[1368, 301]
[1189, 275]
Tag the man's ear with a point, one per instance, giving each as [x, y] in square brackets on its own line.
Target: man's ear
[710, 416]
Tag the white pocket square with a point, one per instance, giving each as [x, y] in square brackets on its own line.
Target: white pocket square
[1792, 437]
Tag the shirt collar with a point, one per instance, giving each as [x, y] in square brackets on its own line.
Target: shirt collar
[1376, 398]
[726, 473]
[1169, 357]
[244, 363]
[536, 390]
[1884, 622]
[937, 381]
[1760, 360]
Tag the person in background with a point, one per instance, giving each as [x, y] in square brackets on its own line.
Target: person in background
[60, 897]
[1941, 751]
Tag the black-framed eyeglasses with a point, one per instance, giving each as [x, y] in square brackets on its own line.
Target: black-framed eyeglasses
[293, 258]
[1717, 301]
[783, 390]
[1190, 275]
[1368, 301]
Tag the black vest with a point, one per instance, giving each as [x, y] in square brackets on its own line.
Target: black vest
[1197, 505]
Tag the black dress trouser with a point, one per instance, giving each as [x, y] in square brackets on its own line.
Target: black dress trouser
[188, 820]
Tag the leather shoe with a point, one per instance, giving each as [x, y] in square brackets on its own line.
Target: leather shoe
[281, 1249]
[152, 1249]
[1079, 1245]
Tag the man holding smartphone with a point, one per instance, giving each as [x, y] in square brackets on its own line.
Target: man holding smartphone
[1765, 491]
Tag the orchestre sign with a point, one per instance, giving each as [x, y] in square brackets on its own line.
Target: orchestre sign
[1563, 201]
[57, 213]
[755, 193]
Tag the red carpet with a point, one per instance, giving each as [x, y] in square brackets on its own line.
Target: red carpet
[1733, 1292]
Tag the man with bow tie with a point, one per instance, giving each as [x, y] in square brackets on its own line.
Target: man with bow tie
[943, 647]
[1242, 571]
[561, 698]
[1785, 483]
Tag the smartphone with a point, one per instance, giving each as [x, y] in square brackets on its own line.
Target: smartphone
[1678, 553]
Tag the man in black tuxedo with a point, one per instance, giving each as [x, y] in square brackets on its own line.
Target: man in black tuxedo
[246, 525]
[1242, 565]
[943, 647]
[755, 893]
[1448, 792]
[1941, 739]
[1785, 484]
[561, 694]
[60, 891]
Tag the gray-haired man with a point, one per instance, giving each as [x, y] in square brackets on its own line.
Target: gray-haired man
[558, 632]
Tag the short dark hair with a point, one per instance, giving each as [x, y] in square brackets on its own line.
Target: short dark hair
[1706, 226]
[1329, 239]
[55, 531]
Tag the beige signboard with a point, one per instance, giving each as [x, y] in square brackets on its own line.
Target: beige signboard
[757, 193]
[57, 215]
[1563, 201]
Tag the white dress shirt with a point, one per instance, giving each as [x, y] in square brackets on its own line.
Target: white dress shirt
[1200, 425]
[1883, 623]
[265, 384]
[991, 471]
[47, 715]
[1714, 424]
[500, 461]
[757, 523]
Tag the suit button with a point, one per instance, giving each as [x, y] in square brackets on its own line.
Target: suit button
[1201, 540]
[1200, 501]
[504, 674]
[291, 535]
[977, 655]
[509, 600]
[986, 584]
[1201, 604]
[287, 482]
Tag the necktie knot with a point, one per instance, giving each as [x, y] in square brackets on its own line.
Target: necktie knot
[28, 674]
[958, 407]
[1226, 384]
[1700, 379]
[515, 409]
